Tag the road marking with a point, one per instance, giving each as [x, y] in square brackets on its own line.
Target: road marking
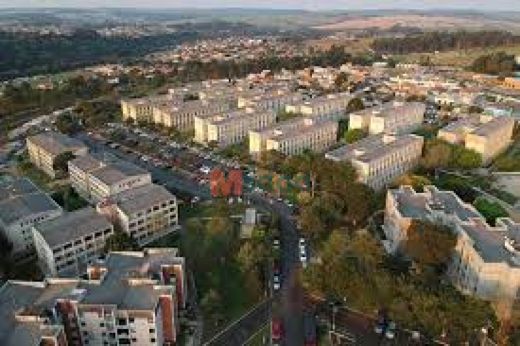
[230, 326]
[256, 333]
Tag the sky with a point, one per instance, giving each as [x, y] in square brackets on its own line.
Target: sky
[479, 5]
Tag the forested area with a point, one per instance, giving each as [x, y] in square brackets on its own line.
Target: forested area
[443, 41]
[29, 54]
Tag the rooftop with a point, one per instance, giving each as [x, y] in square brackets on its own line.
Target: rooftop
[141, 198]
[373, 148]
[56, 143]
[113, 172]
[71, 226]
[392, 109]
[20, 199]
[295, 127]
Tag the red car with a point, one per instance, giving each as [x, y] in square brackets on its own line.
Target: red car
[276, 330]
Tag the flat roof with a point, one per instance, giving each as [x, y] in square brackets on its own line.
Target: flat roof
[141, 198]
[113, 172]
[56, 143]
[20, 199]
[373, 147]
[295, 127]
[72, 225]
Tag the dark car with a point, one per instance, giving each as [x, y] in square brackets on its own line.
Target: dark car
[277, 331]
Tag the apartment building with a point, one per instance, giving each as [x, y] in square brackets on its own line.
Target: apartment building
[131, 298]
[332, 106]
[45, 147]
[23, 205]
[379, 159]
[97, 180]
[511, 83]
[229, 128]
[392, 117]
[273, 100]
[488, 136]
[294, 136]
[181, 116]
[486, 262]
[141, 109]
[67, 244]
[145, 213]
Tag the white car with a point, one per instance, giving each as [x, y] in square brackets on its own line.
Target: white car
[301, 242]
[303, 257]
[390, 331]
[276, 282]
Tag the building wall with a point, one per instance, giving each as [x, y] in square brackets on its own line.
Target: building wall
[20, 233]
[44, 160]
[492, 144]
[317, 140]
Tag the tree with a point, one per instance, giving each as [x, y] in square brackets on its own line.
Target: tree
[61, 161]
[418, 182]
[465, 158]
[490, 210]
[355, 135]
[437, 154]
[120, 241]
[341, 81]
[354, 105]
[430, 246]
[67, 124]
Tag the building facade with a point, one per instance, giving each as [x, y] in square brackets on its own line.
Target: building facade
[23, 205]
[486, 261]
[68, 244]
[229, 128]
[392, 117]
[97, 180]
[294, 137]
[379, 159]
[331, 107]
[488, 136]
[45, 147]
[146, 213]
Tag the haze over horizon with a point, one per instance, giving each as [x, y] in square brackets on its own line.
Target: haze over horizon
[474, 5]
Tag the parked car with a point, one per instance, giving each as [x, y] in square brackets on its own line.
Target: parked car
[276, 282]
[390, 330]
[277, 331]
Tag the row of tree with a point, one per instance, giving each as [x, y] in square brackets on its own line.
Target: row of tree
[430, 42]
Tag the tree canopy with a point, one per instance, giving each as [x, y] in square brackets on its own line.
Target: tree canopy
[120, 241]
[490, 210]
[355, 135]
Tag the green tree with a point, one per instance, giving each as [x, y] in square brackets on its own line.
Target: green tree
[61, 161]
[437, 154]
[354, 105]
[490, 210]
[120, 241]
[355, 135]
[465, 158]
[430, 246]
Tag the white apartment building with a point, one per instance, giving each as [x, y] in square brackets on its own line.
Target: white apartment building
[67, 244]
[332, 106]
[181, 116]
[146, 213]
[486, 262]
[392, 117]
[294, 136]
[229, 128]
[45, 147]
[379, 159]
[273, 100]
[141, 109]
[489, 136]
[97, 180]
[131, 298]
[23, 205]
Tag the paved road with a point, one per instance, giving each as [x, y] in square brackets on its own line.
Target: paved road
[290, 300]
[240, 331]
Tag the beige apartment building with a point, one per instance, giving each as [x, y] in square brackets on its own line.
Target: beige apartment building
[379, 159]
[45, 147]
[332, 106]
[23, 205]
[487, 135]
[229, 128]
[131, 298]
[486, 262]
[67, 244]
[294, 136]
[97, 180]
[181, 116]
[141, 109]
[146, 213]
[392, 117]
[273, 100]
